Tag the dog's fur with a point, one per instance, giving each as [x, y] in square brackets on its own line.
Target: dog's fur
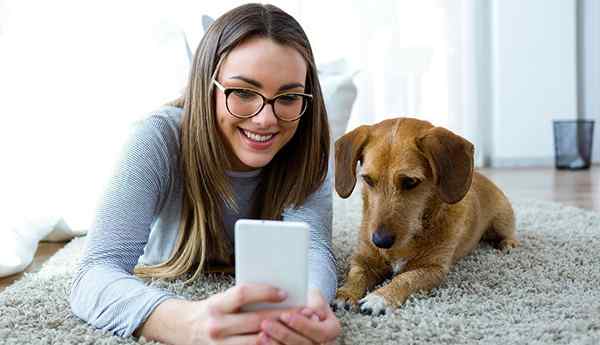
[427, 227]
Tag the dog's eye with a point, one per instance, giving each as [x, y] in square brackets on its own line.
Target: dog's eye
[409, 183]
[368, 180]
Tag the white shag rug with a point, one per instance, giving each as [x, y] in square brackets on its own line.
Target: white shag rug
[545, 292]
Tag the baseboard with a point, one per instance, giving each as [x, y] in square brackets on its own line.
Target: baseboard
[526, 162]
[501, 162]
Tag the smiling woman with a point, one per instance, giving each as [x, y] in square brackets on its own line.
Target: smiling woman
[249, 138]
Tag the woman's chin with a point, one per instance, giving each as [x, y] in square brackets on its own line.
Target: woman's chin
[253, 162]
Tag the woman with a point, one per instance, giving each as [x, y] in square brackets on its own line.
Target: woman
[249, 139]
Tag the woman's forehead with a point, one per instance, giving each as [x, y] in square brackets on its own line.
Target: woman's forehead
[266, 61]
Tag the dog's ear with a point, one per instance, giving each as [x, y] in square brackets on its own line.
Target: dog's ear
[451, 159]
[348, 151]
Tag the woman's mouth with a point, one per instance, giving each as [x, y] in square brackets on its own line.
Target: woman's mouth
[257, 141]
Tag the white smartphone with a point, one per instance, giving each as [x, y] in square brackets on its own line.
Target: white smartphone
[275, 253]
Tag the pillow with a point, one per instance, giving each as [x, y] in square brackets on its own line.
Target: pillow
[339, 93]
[20, 237]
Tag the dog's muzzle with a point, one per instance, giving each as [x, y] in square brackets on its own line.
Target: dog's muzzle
[383, 239]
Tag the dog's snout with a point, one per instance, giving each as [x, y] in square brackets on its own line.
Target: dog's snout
[383, 239]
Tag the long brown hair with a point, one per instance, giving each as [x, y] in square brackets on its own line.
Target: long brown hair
[294, 173]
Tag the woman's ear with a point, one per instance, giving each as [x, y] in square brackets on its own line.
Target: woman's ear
[451, 160]
[348, 151]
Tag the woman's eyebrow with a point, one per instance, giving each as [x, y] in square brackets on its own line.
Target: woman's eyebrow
[259, 85]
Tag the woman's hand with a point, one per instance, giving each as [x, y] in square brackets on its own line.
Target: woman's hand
[315, 324]
[217, 320]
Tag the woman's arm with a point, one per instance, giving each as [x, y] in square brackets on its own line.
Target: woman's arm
[104, 292]
[161, 322]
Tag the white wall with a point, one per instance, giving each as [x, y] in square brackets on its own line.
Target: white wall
[534, 77]
[589, 71]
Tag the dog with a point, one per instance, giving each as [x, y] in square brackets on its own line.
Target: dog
[424, 208]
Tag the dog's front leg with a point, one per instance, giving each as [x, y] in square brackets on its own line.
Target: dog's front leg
[365, 272]
[403, 285]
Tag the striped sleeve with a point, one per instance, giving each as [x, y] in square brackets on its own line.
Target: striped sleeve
[317, 212]
[104, 292]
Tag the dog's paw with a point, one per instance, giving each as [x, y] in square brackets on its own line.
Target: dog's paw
[373, 304]
[340, 303]
[508, 244]
[343, 300]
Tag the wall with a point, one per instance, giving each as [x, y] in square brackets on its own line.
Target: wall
[534, 77]
[589, 67]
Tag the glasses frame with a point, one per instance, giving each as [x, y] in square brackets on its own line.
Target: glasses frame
[265, 100]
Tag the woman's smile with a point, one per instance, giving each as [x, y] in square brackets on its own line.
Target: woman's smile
[256, 140]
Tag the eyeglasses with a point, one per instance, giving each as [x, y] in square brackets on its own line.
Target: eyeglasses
[245, 103]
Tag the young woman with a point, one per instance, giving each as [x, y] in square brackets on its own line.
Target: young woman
[248, 139]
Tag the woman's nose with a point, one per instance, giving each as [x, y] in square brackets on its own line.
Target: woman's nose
[266, 117]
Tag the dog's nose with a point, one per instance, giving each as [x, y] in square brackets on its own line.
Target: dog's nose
[383, 239]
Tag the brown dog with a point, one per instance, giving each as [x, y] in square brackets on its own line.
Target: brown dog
[424, 208]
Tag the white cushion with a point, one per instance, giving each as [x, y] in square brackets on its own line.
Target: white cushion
[20, 237]
[339, 92]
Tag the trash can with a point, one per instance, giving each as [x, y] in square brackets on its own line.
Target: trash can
[573, 143]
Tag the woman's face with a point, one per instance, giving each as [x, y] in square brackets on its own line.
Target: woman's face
[270, 68]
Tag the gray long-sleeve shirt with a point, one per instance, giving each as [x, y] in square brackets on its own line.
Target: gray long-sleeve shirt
[137, 220]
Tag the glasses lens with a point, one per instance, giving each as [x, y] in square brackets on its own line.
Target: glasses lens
[243, 102]
[290, 106]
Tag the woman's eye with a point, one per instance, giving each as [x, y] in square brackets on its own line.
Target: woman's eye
[409, 183]
[368, 180]
[243, 94]
[289, 98]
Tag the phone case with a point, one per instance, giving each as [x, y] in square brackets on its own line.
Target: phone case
[275, 253]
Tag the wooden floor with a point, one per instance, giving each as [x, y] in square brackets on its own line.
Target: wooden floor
[579, 188]
[575, 188]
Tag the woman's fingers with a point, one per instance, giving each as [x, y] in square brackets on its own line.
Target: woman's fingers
[318, 331]
[316, 322]
[233, 298]
[316, 304]
[242, 323]
[234, 324]
[319, 314]
[279, 332]
[275, 313]
[305, 326]
[226, 325]
[264, 339]
[252, 339]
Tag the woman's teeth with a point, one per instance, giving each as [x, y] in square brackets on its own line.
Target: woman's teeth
[257, 137]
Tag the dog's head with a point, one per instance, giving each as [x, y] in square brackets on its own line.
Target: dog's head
[407, 166]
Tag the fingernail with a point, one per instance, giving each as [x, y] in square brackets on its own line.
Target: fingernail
[264, 339]
[307, 312]
[282, 294]
[315, 317]
[285, 317]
